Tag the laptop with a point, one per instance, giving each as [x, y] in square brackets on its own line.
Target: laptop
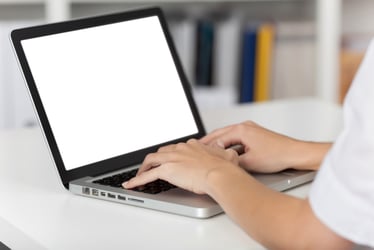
[108, 90]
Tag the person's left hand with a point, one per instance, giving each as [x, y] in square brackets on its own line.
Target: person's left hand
[186, 165]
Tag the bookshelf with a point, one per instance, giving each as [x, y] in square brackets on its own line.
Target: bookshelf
[327, 20]
[326, 14]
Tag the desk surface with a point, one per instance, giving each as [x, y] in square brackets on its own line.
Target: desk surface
[34, 201]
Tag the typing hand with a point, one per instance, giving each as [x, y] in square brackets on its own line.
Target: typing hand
[186, 165]
[263, 150]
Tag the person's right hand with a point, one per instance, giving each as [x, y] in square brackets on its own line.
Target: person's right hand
[264, 151]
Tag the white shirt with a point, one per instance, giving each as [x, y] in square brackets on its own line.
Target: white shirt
[342, 195]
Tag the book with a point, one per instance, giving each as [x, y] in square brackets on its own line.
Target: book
[264, 49]
[248, 64]
[227, 52]
[294, 60]
[204, 52]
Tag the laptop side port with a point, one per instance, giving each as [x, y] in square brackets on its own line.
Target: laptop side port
[95, 192]
[120, 197]
[136, 200]
[86, 190]
[111, 195]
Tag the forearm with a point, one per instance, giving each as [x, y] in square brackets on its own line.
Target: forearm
[267, 216]
[308, 155]
[276, 220]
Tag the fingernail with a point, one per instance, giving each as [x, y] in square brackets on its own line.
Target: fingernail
[125, 184]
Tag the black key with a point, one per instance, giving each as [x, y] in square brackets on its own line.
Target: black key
[116, 180]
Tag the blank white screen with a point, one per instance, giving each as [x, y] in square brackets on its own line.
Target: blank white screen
[109, 90]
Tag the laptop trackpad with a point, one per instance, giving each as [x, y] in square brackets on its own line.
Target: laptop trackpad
[184, 197]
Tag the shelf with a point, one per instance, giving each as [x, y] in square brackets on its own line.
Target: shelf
[327, 18]
[20, 2]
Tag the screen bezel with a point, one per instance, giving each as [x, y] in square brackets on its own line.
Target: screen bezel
[118, 162]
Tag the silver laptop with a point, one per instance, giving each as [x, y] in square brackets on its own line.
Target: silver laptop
[108, 90]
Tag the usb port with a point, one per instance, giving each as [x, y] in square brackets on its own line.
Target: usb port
[86, 190]
[95, 192]
[111, 196]
[102, 193]
[120, 197]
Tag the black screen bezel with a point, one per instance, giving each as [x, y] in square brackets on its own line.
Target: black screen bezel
[117, 162]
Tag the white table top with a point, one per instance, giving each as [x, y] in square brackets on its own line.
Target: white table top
[33, 200]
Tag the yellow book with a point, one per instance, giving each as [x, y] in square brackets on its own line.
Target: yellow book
[264, 51]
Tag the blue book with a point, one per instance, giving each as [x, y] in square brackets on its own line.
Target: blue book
[204, 52]
[248, 65]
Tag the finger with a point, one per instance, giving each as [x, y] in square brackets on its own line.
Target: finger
[154, 160]
[227, 139]
[167, 148]
[232, 156]
[142, 179]
[193, 141]
[238, 148]
[231, 130]
[212, 136]
[147, 164]
[197, 145]
[217, 144]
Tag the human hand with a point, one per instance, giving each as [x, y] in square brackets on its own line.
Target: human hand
[186, 165]
[264, 151]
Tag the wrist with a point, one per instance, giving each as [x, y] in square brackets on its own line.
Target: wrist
[221, 177]
[308, 155]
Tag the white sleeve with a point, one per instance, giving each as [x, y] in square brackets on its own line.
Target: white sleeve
[342, 195]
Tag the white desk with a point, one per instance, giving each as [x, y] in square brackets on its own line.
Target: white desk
[33, 200]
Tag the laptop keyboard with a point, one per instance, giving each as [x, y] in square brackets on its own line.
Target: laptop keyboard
[154, 187]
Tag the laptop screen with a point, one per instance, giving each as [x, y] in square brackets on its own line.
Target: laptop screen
[109, 90]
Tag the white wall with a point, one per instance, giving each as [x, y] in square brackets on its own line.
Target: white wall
[15, 105]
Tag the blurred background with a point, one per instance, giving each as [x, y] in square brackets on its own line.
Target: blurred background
[232, 51]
